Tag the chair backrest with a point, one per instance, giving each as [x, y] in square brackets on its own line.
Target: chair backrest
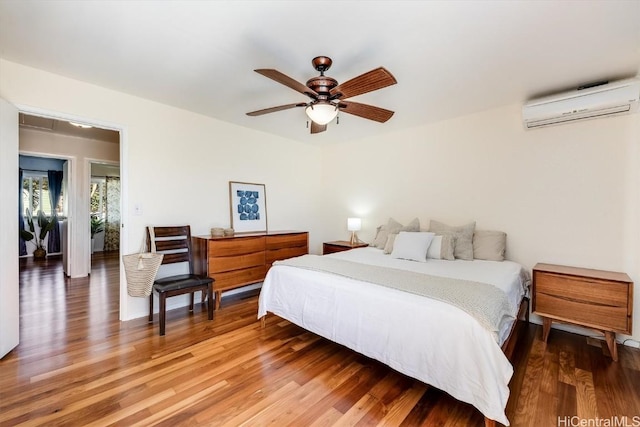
[174, 243]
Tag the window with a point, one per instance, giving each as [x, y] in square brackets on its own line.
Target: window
[35, 194]
[98, 196]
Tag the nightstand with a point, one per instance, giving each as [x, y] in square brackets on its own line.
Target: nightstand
[596, 299]
[339, 246]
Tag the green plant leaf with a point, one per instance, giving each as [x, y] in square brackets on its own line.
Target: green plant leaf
[26, 236]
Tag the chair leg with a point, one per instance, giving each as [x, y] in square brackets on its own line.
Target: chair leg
[151, 307]
[210, 302]
[163, 311]
[191, 301]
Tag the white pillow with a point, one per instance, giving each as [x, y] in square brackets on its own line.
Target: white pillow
[412, 245]
[441, 247]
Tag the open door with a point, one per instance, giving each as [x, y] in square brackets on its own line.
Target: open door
[9, 186]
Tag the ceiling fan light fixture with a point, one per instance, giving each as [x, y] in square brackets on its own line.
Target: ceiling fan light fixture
[322, 112]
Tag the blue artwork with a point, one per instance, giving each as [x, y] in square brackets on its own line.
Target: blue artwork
[248, 205]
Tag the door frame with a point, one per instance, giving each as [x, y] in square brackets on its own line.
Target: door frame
[124, 180]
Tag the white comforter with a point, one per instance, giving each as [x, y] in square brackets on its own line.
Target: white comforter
[426, 339]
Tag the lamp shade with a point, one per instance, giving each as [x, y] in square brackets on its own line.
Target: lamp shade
[321, 112]
[354, 224]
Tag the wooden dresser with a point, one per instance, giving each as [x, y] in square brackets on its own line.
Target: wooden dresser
[240, 260]
[596, 299]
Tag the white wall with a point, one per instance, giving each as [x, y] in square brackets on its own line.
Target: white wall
[565, 194]
[176, 165]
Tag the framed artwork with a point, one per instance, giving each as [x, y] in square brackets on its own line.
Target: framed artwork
[248, 204]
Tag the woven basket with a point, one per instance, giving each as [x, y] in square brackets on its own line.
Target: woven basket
[140, 270]
[217, 232]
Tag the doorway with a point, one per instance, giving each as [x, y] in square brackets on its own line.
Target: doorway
[10, 142]
[104, 208]
[80, 144]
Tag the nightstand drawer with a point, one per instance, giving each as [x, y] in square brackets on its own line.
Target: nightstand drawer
[340, 246]
[584, 313]
[594, 291]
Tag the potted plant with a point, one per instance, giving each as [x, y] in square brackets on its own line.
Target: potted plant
[97, 225]
[45, 225]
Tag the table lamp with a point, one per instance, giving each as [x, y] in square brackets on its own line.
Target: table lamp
[353, 225]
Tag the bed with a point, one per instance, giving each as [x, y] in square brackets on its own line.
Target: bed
[447, 348]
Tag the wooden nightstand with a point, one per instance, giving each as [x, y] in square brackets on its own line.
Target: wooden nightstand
[339, 246]
[596, 299]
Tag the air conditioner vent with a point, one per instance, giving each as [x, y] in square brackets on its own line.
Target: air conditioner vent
[603, 100]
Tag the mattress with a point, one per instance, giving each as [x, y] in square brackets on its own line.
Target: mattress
[426, 339]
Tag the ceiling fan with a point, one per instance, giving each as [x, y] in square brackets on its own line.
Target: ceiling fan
[328, 97]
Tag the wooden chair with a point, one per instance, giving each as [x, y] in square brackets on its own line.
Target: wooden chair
[175, 244]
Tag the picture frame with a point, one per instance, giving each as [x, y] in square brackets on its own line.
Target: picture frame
[248, 207]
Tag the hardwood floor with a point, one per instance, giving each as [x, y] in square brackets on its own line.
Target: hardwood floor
[78, 365]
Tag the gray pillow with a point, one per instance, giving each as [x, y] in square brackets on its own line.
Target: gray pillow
[489, 245]
[392, 227]
[463, 237]
[388, 247]
[414, 225]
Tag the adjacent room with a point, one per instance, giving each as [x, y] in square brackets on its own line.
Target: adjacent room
[387, 213]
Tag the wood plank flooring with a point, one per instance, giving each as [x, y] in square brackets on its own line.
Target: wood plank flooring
[77, 365]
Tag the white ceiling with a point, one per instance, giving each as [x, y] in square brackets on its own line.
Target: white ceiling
[450, 57]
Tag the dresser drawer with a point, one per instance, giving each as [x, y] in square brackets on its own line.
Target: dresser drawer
[235, 246]
[234, 279]
[287, 241]
[280, 254]
[238, 262]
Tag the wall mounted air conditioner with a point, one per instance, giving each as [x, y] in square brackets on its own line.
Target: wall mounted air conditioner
[603, 100]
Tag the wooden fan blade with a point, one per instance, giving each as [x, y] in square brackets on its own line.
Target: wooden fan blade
[274, 109]
[316, 128]
[367, 82]
[365, 111]
[287, 81]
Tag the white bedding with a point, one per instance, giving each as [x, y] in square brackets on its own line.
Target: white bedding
[426, 339]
